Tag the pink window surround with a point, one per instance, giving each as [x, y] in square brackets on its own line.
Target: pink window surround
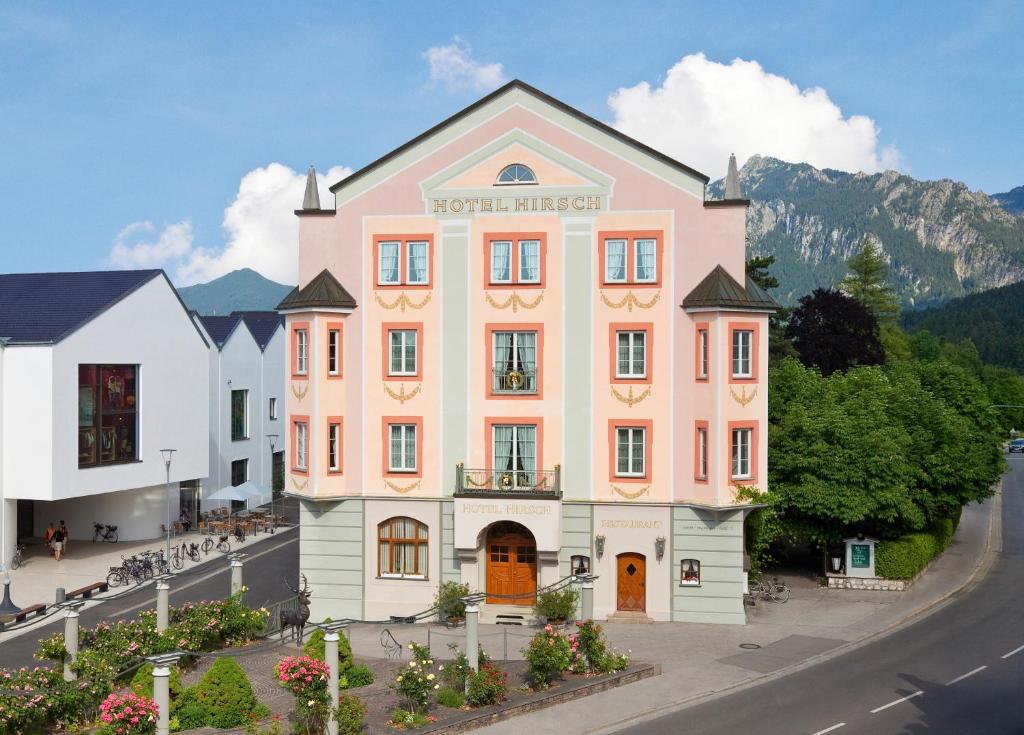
[385, 425]
[491, 421]
[648, 426]
[297, 327]
[385, 329]
[334, 327]
[613, 347]
[403, 261]
[489, 329]
[338, 421]
[698, 426]
[752, 425]
[702, 329]
[296, 420]
[514, 238]
[755, 341]
[630, 236]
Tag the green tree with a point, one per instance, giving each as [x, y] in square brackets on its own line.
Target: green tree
[757, 270]
[868, 282]
[779, 346]
[833, 332]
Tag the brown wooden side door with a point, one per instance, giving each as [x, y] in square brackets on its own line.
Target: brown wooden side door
[632, 582]
[511, 570]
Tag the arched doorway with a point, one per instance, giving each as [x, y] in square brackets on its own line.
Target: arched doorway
[631, 582]
[511, 552]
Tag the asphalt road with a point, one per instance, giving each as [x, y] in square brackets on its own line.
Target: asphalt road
[265, 568]
[958, 671]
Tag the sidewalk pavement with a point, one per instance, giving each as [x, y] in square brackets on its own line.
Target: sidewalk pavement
[700, 660]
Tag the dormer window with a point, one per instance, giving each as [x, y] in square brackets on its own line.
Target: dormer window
[516, 175]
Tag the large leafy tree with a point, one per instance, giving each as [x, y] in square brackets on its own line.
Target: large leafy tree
[833, 332]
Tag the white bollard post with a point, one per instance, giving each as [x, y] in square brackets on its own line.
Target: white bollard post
[333, 677]
[236, 576]
[70, 643]
[163, 612]
[162, 696]
[587, 600]
[472, 638]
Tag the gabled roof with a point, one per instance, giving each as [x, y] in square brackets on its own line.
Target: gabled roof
[220, 328]
[44, 308]
[323, 292]
[546, 98]
[720, 290]
[262, 324]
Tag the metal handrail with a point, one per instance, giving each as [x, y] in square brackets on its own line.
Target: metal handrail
[512, 482]
[522, 379]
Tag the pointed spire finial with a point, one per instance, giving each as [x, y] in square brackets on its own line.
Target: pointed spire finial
[311, 200]
[732, 180]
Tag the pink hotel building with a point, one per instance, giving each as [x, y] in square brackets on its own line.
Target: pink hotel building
[523, 345]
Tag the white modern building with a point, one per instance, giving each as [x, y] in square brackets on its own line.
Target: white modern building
[246, 404]
[99, 372]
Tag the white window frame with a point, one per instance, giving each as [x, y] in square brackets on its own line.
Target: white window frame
[741, 461]
[494, 278]
[380, 262]
[404, 460]
[404, 346]
[333, 351]
[334, 447]
[704, 342]
[630, 451]
[408, 246]
[636, 260]
[702, 453]
[520, 251]
[625, 260]
[742, 352]
[301, 351]
[632, 335]
[272, 408]
[301, 445]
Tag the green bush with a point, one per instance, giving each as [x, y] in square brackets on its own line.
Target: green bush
[349, 715]
[225, 696]
[405, 720]
[906, 556]
[453, 673]
[486, 686]
[316, 648]
[358, 676]
[548, 655]
[557, 605]
[448, 600]
[448, 697]
[188, 713]
[142, 682]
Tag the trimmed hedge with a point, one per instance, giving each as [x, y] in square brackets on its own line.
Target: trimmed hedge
[906, 556]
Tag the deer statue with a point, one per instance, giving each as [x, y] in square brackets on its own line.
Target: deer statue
[296, 619]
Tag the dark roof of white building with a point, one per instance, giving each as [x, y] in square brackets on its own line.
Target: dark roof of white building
[261, 324]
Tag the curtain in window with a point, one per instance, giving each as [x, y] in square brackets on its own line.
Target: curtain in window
[741, 352]
[503, 449]
[410, 447]
[396, 352]
[526, 448]
[388, 265]
[741, 452]
[396, 447]
[529, 260]
[501, 261]
[622, 458]
[637, 463]
[615, 260]
[623, 353]
[385, 557]
[639, 344]
[645, 250]
[503, 351]
[417, 262]
[526, 351]
[300, 445]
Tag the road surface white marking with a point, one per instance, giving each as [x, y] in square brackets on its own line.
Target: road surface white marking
[964, 676]
[1018, 649]
[830, 729]
[876, 710]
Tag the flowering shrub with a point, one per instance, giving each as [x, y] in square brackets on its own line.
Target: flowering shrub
[45, 701]
[455, 671]
[349, 715]
[486, 686]
[128, 714]
[417, 680]
[403, 720]
[306, 678]
[591, 653]
[547, 655]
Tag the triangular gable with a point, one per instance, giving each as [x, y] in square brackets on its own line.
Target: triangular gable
[473, 173]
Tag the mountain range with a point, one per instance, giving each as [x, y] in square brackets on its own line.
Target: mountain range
[1012, 200]
[942, 240]
[241, 290]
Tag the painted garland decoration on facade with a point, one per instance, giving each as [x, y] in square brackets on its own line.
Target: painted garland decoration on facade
[402, 302]
[630, 495]
[629, 399]
[630, 300]
[300, 486]
[399, 489]
[299, 395]
[516, 301]
[743, 399]
[401, 396]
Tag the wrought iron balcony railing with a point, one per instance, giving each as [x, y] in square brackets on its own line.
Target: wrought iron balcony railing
[520, 380]
[508, 482]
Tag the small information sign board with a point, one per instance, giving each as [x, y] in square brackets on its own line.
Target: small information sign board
[860, 557]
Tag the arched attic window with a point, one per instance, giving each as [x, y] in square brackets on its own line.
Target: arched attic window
[516, 174]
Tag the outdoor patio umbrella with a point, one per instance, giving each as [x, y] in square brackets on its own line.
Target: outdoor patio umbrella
[229, 493]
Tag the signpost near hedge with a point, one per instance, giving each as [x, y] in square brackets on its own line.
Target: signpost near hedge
[860, 557]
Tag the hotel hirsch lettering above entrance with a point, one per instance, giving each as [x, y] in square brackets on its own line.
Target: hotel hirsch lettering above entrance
[523, 346]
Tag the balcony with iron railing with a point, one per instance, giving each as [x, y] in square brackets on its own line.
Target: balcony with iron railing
[508, 483]
[520, 380]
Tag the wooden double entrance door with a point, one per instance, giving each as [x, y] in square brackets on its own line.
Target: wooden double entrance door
[511, 565]
[632, 582]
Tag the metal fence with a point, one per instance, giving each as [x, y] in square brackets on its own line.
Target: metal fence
[274, 619]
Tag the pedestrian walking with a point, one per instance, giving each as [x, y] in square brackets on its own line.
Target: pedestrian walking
[48, 536]
[67, 535]
[58, 543]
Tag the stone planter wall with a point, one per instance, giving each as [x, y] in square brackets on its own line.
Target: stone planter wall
[842, 582]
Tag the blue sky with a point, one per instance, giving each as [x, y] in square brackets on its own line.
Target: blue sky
[143, 134]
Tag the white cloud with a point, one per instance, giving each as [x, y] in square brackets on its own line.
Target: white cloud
[454, 67]
[261, 228]
[703, 111]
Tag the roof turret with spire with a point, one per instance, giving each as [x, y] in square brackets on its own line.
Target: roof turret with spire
[732, 188]
[311, 197]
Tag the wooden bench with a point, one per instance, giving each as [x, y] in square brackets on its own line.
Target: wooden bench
[24, 612]
[88, 590]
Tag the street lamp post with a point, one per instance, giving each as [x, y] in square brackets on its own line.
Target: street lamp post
[273, 518]
[7, 608]
[168, 454]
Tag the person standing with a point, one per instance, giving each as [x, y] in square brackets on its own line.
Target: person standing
[58, 542]
[48, 536]
[67, 534]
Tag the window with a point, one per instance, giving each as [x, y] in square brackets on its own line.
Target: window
[239, 472]
[334, 446]
[515, 456]
[403, 261]
[742, 347]
[631, 354]
[579, 564]
[703, 353]
[689, 573]
[272, 405]
[402, 352]
[701, 451]
[402, 448]
[108, 414]
[631, 258]
[301, 365]
[515, 261]
[300, 445]
[741, 451]
[630, 454]
[402, 548]
[516, 174]
[334, 352]
[239, 415]
[515, 362]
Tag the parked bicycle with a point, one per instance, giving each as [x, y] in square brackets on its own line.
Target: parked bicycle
[770, 589]
[221, 544]
[104, 533]
[183, 552]
[18, 558]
